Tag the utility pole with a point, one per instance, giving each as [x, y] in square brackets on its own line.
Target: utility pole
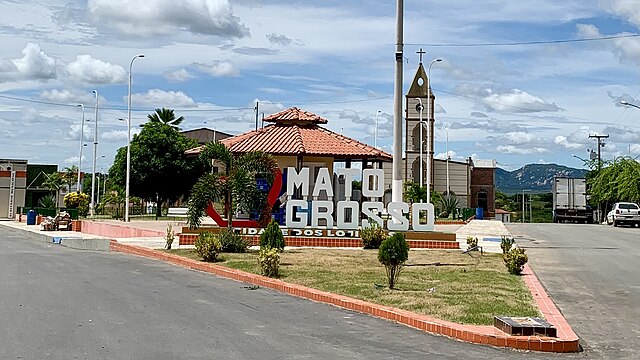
[523, 210]
[396, 190]
[600, 145]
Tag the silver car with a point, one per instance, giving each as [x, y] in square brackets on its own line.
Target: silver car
[624, 213]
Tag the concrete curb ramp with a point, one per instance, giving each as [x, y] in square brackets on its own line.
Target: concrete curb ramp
[567, 340]
[69, 239]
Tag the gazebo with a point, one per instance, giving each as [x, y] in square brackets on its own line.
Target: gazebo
[296, 138]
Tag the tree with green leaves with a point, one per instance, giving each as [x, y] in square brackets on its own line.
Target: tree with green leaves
[616, 180]
[236, 186]
[165, 116]
[160, 170]
[55, 182]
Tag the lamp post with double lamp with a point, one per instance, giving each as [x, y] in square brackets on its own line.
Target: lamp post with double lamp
[429, 110]
[95, 155]
[81, 146]
[126, 205]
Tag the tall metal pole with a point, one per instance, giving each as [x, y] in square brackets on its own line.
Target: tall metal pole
[430, 119]
[81, 146]
[257, 109]
[523, 213]
[375, 137]
[396, 190]
[421, 139]
[126, 201]
[95, 154]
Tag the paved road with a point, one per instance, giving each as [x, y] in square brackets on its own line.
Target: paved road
[59, 303]
[592, 272]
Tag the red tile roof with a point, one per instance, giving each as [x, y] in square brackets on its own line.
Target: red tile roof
[295, 115]
[300, 138]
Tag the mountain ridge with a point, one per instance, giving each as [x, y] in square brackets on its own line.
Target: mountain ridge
[533, 177]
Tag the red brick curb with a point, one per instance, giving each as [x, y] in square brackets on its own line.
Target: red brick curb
[567, 341]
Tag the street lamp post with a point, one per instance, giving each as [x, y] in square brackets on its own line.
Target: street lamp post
[95, 154]
[81, 146]
[375, 137]
[429, 110]
[625, 103]
[126, 208]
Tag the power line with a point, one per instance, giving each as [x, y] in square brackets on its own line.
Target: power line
[540, 42]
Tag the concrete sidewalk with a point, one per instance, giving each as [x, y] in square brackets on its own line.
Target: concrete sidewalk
[72, 239]
[488, 232]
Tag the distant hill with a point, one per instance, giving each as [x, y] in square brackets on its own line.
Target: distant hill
[533, 177]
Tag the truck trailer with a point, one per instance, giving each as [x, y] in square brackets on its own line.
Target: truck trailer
[570, 200]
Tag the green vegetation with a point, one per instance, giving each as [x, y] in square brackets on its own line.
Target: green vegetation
[372, 236]
[272, 237]
[160, 170]
[269, 260]
[472, 242]
[458, 289]
[514, 260]
[208, 246]
[393, 253]
[236, 187]
[617, 180]
[233, 242]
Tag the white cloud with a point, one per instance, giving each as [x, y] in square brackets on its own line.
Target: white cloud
[218, 68]
[627, 9]
[627, 50]
[517, 101]
[564, 142]
[116, 135]
[517, 150]
[35, 64]
[443, 155]
[166, 17]
[87, 69]
[71, 97]
[161, 98]
[180, 75]
[74, 160]
[278, 39]
[588, 31]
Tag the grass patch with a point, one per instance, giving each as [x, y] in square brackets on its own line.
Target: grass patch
[463, 289]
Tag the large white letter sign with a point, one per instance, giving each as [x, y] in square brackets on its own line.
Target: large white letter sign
[316, 214]
[323, 182]
[298, 222]
[397, 211]
[295, 179]
[372, 210]
[377, 190]
[348, 174]
[341, 215]
[416, 208]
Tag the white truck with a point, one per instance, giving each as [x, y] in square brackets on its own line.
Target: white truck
[570, 200]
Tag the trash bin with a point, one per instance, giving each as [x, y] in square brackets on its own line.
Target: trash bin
[31, 217]
[479, 214]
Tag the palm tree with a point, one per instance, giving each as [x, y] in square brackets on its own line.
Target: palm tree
[237, 185]
[54, 182]
[165, 116]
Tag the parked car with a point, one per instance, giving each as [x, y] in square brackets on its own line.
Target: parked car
[624, 213]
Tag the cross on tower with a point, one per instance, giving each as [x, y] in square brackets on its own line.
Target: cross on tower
[420, 53]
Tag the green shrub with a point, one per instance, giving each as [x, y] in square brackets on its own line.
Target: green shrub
[169, 238]
[393, 253]
[233, 242]
[208, 246]
[372, 236]
[272, 237]
[514, 260]
[269, 260]
[472, 242]
[506, 244]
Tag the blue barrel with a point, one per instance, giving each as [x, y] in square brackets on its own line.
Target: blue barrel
[479, 214]
[31, 217]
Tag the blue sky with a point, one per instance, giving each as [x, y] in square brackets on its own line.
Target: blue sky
[211, 60]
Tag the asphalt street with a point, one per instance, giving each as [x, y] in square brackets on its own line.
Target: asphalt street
[60, 303]
[592, 272]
